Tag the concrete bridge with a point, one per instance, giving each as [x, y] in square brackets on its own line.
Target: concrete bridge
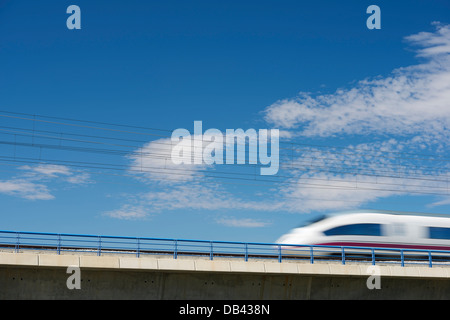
[37, 275]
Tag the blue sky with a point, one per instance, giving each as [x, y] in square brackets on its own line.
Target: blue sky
[363, 114]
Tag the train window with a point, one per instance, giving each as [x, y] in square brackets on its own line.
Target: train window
[439, 233]
[361, 229]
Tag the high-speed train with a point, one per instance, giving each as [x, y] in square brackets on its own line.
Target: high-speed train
[374, 229]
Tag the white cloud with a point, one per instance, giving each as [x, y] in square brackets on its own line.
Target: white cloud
[25, 189]
[336, 179]
[154, 163]
[332, 192]
[176, 186]
[411, 106]
[79, 178]
[242, 222]
[434, 44]
[128, 212]
[54, 171]
[49, 170]
[206, 196]
[33, 181]
[411, 100]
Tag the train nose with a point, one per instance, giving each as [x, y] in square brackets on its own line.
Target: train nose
[296, 236]
[283, 239]
[292, 244]
[289, 238]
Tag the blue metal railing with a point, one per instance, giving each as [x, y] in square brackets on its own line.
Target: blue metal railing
[100, 245]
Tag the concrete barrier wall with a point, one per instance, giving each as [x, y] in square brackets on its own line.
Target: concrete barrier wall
[50, 283]
[28, 276]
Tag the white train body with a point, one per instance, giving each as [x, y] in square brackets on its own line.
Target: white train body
[374, 229]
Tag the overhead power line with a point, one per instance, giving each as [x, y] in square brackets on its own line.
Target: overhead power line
[35, 118]
[393, 167]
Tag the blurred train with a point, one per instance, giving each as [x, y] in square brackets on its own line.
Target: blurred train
[374, 229]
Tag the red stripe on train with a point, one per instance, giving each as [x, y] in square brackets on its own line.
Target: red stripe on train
[385, 245]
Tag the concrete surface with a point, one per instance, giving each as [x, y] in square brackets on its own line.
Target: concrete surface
[43, 276]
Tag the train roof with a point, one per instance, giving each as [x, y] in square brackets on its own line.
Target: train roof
[404, 213]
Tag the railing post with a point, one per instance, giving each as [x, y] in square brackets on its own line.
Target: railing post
[311, 255]
[59, 244]
[246, 252]
[138, 248]
[430, 260]
[17, 242]
[402, 258]
[373, 257]
[343, 255]
[175, 250]
[211, 251]
[279, 254]
[99, 250]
